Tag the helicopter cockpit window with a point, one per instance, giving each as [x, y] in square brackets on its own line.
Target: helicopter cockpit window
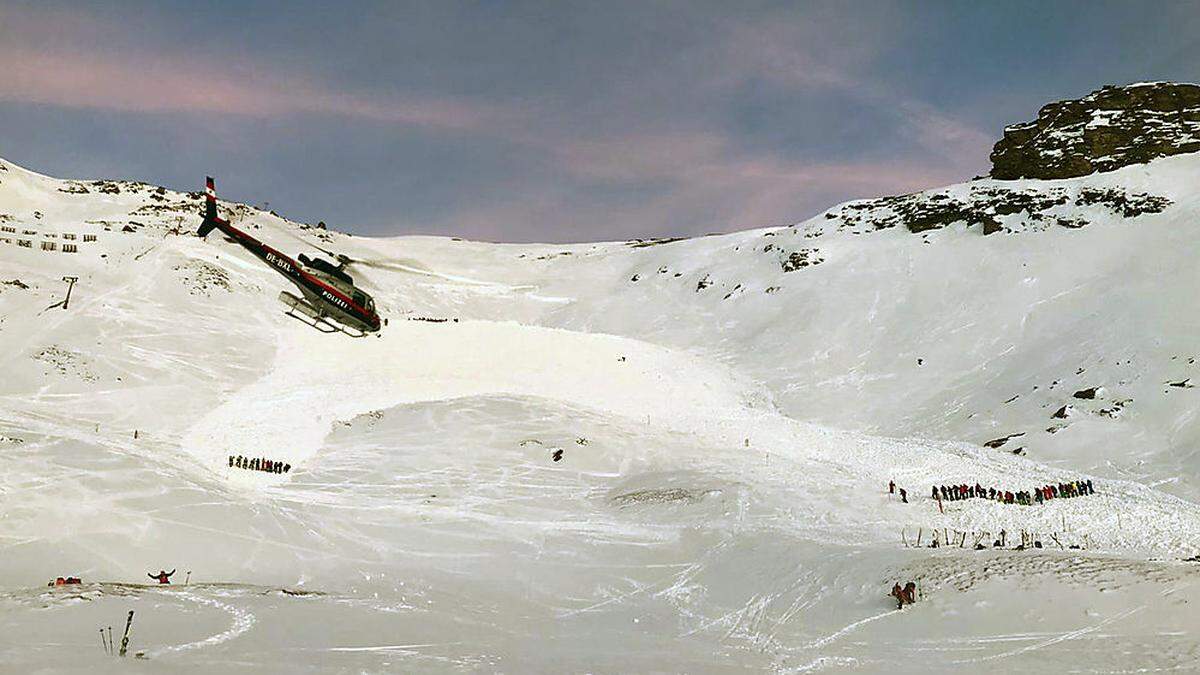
[360, 299]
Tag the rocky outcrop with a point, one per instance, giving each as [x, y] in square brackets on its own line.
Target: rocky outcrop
[1105, 130]
[994, 207]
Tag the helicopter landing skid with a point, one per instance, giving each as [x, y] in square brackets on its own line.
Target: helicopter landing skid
[310, 317]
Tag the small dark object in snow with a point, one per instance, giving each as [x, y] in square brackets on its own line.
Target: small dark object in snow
[1182, 384]
[1087, 393]
[557, 456]
[1061, 413]
[997, 442]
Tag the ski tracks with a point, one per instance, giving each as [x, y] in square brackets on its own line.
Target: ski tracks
[243, 620]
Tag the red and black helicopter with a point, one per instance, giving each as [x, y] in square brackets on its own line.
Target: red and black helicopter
[330, 299]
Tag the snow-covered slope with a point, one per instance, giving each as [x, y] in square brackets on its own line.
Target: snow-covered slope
[729, 411]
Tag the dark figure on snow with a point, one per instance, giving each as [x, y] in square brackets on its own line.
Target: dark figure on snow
[991, 493]
[287, 467]
[1091, 490]
[163, 577]
[898, 594]
[903, 495]
[891, 487]
[231, 460]
[910, 592]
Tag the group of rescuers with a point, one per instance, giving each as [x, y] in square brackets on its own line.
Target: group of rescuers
[259, 464]
[1075, 488]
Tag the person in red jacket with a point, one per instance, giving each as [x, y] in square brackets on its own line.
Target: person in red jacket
[163, 576]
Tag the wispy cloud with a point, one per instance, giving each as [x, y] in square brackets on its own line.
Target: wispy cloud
[76, 59]
[155, 85]
[797, 56]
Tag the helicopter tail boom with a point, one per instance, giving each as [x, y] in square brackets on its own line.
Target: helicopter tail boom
[211, 219]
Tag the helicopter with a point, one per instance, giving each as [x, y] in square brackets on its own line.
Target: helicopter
[329, 301]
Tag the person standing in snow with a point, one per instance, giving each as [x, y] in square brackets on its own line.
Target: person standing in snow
[163, 577]
[898, 594]
[891, 487]
[903, 495]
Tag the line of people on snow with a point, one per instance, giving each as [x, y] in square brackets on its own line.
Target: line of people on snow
[258, 464]
[1039, 495]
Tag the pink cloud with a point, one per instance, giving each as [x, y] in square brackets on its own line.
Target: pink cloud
[77, 79]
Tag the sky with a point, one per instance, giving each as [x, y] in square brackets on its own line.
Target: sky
[555, 121]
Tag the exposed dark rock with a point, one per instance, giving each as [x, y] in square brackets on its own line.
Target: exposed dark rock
[1087, 393]
[997, 442]
[1118, 201]
[1105, 130]
[1061, 413]
[993, 208]
[1115, 409]
[805, 257]
[643, 243]
[1182, 384]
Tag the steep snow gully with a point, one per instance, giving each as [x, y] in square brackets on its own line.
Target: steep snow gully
[614, 457]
